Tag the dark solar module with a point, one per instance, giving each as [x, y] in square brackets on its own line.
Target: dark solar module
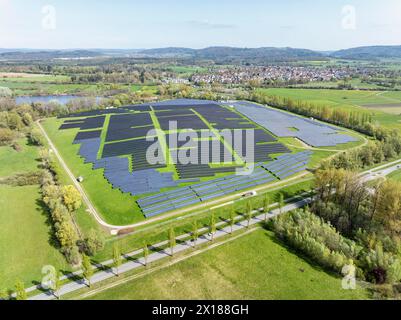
[87, 135]
[74, 121]
[130, 126]
[94, 113]
[138, 108]
[70, 126]
[130, 133]
[183, 122]
[126, 147]
[174, 113]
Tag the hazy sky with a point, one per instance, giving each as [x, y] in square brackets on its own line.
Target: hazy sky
[321, 25]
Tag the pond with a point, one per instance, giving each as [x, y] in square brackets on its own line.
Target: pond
[44, 99]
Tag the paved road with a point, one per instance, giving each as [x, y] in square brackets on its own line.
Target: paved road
[382, 171]
[185, 245]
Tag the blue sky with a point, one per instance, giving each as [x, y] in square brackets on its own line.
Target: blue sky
[193, 23]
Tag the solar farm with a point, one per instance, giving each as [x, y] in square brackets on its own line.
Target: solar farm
[117, 142]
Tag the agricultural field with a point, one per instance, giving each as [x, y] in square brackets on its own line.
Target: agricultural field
[384, 106]
[32, 78]
[254, 266]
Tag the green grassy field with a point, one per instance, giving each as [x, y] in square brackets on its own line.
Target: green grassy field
[396, 176]
[18, 162]
[26, 244]
[351, 100]
[33, 78]
[252, 267]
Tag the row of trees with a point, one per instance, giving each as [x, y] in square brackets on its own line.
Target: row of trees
[62, 203]
[69, 201]
[373, 153]
[321, 242]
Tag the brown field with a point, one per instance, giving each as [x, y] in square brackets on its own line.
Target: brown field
[393, 108]
[19, 75]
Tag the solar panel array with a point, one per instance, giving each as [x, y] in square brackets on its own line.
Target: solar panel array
[138, 182]
[89, 149]
[183, 122]
[85, 135]
[84, 124]
[129, 126]
[288, 165]
[138, 149]
[284, 124]
[198, 193]
[132, 123]
[94, 113]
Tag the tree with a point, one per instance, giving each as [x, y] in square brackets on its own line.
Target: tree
[94, 242]
[57, 284]
[71, 198]
[66, 234]
[195, 233]
[266, 206]
[281, 202]
[27, 119]
[5, 92]
[388, 207]
[212, 226]
[72, 255]
[3, 294]
[146, 253]
[14, 121]
[248, 213]
[117, 260]
[20, 290]
[35, 137]
[7, 136]
[232, 218]
[87, 269]
[172, 241]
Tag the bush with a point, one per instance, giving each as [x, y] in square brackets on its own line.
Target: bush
[94, 242]
[36, 138]
[23, 179]
[72, 255]
[7, 137]
[5, 92]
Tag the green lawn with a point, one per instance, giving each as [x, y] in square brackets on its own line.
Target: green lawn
[252, 267]
[396, 175]
[18, 162]
[25, 237]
